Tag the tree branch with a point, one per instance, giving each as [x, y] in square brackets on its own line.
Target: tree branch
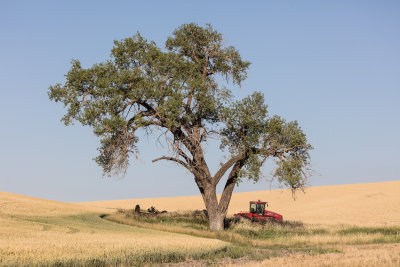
[229, 186]
[218, 175]
[183, 154]
[176, 131]
[172, 159]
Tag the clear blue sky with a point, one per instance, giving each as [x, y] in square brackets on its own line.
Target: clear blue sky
[333, 66]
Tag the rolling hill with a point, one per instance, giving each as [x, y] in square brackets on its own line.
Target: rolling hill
[361, 204]
[40, 232]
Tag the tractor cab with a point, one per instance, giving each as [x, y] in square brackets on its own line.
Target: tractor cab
[258, 213]
[258, 207]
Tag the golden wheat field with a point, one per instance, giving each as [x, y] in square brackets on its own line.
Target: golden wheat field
[352, 256]
[42, 232]
[369, 204]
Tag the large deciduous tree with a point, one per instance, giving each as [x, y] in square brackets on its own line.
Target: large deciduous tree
[178, 91]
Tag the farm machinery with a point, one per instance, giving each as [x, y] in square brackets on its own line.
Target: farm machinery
[258, 213]
[151, 210]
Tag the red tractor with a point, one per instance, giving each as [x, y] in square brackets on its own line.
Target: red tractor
[259, 214]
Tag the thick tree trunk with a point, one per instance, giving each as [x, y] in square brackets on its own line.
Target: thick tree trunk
[216, 221]
[217, 211]
[215, 217]
[208, 188]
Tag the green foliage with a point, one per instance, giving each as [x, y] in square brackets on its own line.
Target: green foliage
[177, 91]
[248, 127]
[205, 46]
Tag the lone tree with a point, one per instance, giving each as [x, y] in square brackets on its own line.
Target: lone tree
[178, 91]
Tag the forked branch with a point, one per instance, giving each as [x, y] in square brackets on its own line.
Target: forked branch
[220, 173]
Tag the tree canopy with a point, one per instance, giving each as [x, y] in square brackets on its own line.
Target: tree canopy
[177, 91]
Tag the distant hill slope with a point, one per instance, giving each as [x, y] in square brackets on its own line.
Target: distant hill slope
[14, 204]
[361, 204]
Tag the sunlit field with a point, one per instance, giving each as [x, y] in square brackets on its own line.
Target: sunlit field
[346, 225]
[364, 255]
[41, 232]
[369, 204]
[288, 243]
[322, 231]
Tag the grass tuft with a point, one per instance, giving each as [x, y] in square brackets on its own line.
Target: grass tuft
[371, 230]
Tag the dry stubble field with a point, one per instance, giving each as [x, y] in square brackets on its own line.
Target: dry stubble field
[42, 232]
[360, 220]
[347, 225]
[369, 204]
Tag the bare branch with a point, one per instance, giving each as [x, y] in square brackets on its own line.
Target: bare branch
[172, 159]
[183, 154]
[207, 133]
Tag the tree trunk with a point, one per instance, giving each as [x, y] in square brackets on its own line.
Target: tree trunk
[208, 189]
[218, 216]
[215, 217]
[221, 209]
[216, 221]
